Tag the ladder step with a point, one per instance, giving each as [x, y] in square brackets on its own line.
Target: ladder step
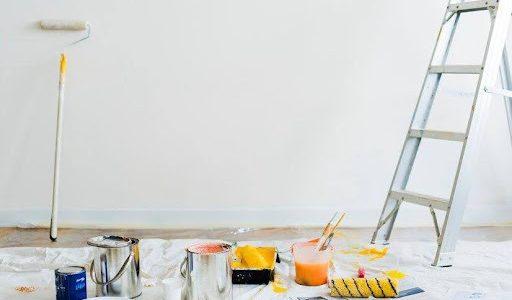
[498, 91]
[437, 134]
[456, 69]
[472, 6]
[425, 200]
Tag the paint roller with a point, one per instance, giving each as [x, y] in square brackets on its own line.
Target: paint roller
[68, 25]
[73, 25]
[383, 287]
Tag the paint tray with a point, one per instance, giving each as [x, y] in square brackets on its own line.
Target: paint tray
[244, 275]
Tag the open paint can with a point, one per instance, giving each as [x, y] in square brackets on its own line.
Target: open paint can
[70, 283]
[115, 268]
[207, 272]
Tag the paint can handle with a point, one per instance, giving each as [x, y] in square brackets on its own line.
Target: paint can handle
[118, 275]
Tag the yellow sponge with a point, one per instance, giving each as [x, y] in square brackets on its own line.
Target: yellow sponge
[364, 287]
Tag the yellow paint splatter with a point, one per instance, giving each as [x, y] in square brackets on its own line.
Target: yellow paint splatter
[395, 274]
[277, 285]
[278, 289]
[373, 253]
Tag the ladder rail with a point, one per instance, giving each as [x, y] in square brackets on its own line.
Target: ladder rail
[506, 83]
[500, 18]
[423, 106]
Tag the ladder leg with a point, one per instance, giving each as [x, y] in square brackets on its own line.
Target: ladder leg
[454, 215]
[419, 120]
[506, 83]
[469, 153]
[508, 105]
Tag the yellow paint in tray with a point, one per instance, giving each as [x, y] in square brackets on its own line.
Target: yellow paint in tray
[250, 257]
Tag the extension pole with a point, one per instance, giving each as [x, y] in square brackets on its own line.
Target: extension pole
[56, 165]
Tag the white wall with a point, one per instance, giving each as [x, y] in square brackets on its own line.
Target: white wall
[199, 113]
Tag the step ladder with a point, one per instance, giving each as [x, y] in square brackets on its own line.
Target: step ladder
[494, 55]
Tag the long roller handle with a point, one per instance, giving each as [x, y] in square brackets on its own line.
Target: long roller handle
[58, 135]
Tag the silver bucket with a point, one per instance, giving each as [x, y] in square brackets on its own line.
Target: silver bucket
[115, 268]
[207, 274]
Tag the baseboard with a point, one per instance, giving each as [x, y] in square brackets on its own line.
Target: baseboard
[276, 217]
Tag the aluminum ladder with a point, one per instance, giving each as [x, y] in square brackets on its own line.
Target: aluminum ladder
[494, 55]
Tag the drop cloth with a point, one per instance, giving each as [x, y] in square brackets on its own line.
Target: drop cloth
[480, 267]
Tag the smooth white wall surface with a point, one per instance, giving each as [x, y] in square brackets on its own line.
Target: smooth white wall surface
[183, 113]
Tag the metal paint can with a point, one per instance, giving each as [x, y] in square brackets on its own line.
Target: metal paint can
[70, 283]
[207, 272]
[115, 268]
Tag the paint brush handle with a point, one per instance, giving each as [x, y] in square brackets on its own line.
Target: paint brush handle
[328, 231]
[327, 242]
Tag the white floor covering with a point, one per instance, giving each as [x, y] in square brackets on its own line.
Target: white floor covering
[480, 267]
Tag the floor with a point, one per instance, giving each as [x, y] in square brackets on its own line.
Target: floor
[38, 237]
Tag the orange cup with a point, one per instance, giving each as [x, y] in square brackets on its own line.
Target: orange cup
[311, 266]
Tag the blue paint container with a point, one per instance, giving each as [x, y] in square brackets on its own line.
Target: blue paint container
[70, 283]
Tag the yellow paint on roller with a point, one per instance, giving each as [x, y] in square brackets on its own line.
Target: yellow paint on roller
[364, 287]
[63, 64]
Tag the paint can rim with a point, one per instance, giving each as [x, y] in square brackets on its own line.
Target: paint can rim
[111, 241]
[78, 270]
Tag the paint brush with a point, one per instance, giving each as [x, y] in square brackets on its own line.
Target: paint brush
[328, 232]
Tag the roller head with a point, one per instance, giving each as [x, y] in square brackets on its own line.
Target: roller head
[74, 25]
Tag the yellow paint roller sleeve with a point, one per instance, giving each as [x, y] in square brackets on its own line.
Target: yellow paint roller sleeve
[63, 64]
[364, 287]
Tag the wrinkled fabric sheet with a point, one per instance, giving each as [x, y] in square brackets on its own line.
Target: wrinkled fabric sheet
[484, 267]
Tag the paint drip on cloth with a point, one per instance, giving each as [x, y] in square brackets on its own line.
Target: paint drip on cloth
[277, 285]
[372, 253]
[395, 274]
